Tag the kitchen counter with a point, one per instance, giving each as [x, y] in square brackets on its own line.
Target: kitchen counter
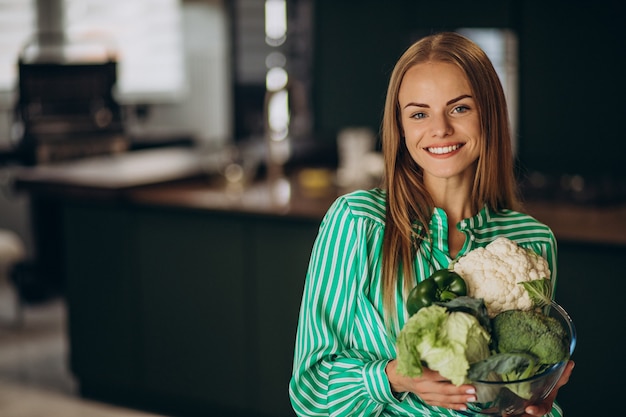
[570, 222]
[175, 177]
[284, 197]
[582, 224]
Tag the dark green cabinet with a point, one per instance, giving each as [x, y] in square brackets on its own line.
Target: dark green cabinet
[185, 312]
[277, 294]
[591, 287]
[103, 315]
[192, 298]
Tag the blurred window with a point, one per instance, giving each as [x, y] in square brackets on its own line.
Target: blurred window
[17, 25]
[146, 35]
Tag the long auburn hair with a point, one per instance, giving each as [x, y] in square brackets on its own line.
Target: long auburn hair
[408, 201]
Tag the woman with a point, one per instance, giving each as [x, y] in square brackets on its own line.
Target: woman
[449, 188]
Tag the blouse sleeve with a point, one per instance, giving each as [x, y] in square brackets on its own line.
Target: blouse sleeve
[329, 377]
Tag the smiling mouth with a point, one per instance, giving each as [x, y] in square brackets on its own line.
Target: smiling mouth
[442, 150]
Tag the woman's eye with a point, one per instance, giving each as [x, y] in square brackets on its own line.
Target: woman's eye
[419, 115]
[460, 109]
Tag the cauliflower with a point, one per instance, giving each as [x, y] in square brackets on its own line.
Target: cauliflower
[494, 272]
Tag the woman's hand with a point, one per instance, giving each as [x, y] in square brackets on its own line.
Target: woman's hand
[431, 388]
[545, 406]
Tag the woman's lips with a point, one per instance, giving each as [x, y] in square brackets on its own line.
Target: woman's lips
[442, 150]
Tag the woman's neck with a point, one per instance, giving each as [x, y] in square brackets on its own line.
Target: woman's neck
[453, 197]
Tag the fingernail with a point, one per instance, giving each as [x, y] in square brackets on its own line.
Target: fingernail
[471, 399]
[471, 391]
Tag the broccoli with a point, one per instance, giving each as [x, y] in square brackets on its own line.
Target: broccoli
[531, 332]
[525, 343]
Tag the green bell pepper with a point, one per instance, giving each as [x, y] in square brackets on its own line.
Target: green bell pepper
[443, 285]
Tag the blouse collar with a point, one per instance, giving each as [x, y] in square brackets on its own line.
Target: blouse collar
[439, 228]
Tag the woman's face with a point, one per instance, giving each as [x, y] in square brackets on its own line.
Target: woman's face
[440, 121]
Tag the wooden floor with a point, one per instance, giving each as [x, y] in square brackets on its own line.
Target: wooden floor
[34, 376]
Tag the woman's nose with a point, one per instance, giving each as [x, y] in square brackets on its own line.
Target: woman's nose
[441, 126]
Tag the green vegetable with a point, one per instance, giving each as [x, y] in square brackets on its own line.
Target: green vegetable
[474, 306]
[506, 367]
[515, 366]
[443, 285]
[525, 344]
[539, 291]
[531, 332]
[444, 341]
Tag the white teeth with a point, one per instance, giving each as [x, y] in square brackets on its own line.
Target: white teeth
[443, 149]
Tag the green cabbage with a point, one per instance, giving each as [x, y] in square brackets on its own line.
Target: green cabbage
[444, 341]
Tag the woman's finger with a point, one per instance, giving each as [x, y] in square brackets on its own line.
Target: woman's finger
[545, 406]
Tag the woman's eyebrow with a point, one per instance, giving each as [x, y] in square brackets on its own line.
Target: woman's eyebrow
[461, 97]
[426, 106]
[417, 105]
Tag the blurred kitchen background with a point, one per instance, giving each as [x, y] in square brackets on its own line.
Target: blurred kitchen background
[165, 164]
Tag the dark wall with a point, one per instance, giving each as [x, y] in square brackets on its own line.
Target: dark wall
[570, 77]
[572, 86]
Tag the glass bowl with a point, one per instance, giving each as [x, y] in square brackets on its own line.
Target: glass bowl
[498, 398]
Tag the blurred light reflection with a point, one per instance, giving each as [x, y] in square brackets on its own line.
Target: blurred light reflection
[278, 115]
[275, 59]
[281, 192]
[275, 22]
[276, 79]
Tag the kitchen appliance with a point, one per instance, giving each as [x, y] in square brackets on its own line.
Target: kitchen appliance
[66, 107]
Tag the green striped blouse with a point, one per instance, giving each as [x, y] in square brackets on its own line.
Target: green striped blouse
[343, 343]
